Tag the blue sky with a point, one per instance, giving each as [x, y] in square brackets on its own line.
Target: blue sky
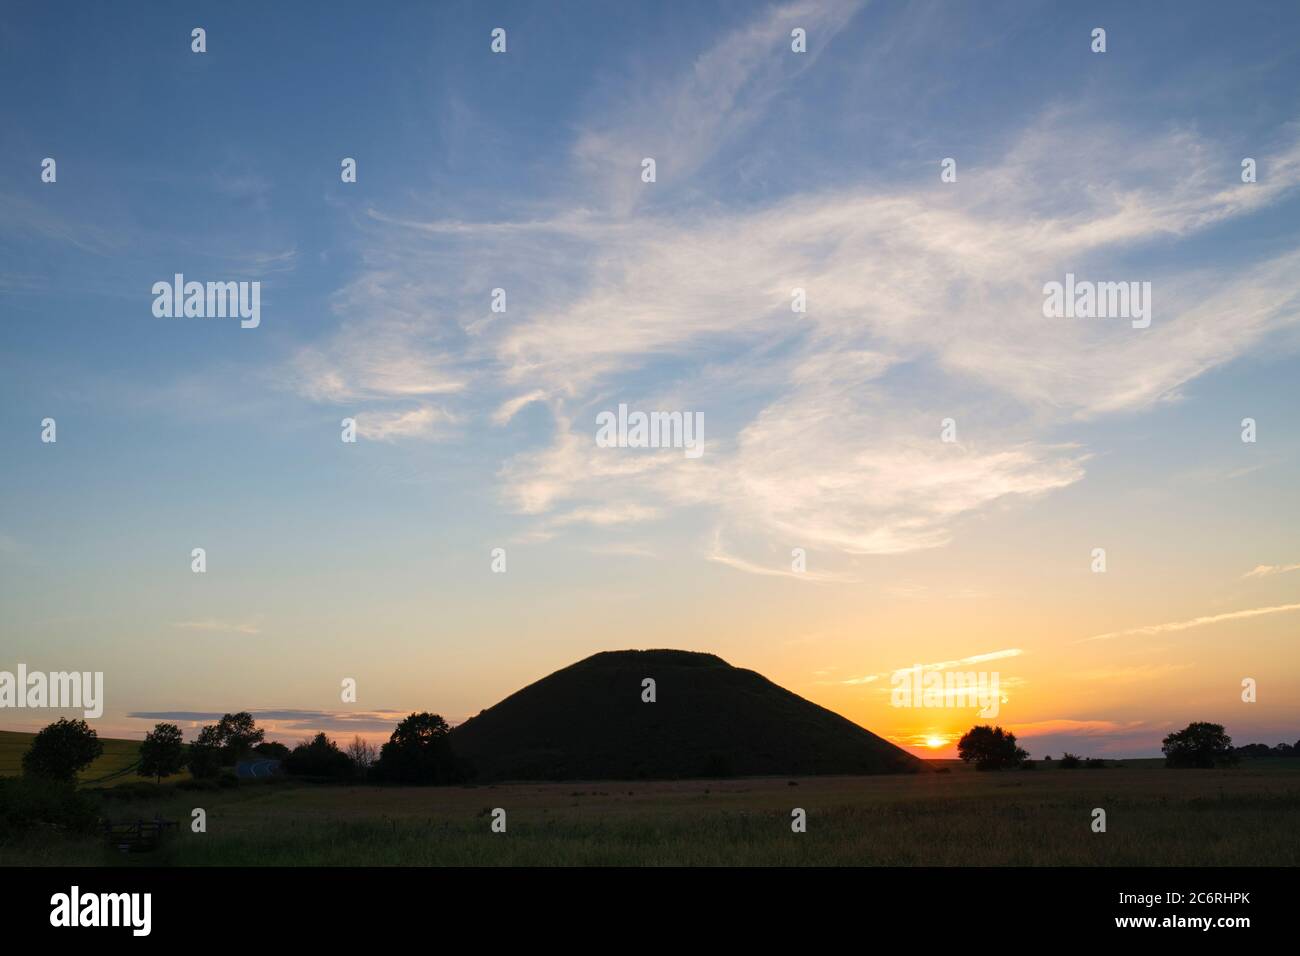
[522, 171]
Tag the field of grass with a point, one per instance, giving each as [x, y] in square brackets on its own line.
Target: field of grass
[116, 765]
[1155, 817]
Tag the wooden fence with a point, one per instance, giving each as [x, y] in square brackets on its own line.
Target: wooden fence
[137, 836]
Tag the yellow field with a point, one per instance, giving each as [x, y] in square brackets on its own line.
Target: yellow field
[116, 765]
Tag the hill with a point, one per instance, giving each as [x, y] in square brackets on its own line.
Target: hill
[710, 719]
[115, 765]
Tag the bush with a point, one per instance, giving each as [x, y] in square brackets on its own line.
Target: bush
[31, 803]
[320, 758]
[273, 750]
[1069, 761]
[135, 790]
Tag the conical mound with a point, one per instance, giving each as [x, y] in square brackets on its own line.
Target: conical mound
[589, 722]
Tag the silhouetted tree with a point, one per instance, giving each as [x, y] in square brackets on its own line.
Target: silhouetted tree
[1264, 751]
[991, 748]
[273, 750]
[1253, 750]
[162, 753]
[61, 749]
[204, 758]
[1070, 761]
[238, 735]
[319, 757]
[362, 753]
[1199, 744]
[419, 752]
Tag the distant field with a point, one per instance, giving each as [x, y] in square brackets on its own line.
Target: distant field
[115, 766]
[1156, 817]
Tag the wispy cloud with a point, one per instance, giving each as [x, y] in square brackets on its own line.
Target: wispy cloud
[1268, 570]
[940, 665]
[684, 120]
[1150, 629]
[423, 422]
[1072, 727]
[923, 303]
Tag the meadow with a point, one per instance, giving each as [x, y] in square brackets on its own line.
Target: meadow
[1155, 817]
[116, 765]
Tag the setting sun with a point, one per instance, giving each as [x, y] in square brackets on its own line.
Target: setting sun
[935, 742]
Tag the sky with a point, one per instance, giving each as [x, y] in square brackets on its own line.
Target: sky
[774, 170]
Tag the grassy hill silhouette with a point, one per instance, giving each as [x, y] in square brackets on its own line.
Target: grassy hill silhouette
[710, 719]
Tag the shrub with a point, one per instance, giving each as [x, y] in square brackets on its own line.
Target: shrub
[33, 802]
[320, 757]
[274, 750]
[135, 790]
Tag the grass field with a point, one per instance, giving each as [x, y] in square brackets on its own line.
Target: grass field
[1156, 817]
[116, 765]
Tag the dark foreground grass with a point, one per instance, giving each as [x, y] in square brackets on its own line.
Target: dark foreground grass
[1156, 817]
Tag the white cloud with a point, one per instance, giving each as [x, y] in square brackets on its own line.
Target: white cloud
[924, 302]
[945, 665]
[1268, 570]
[421, 422]
[1150, 629]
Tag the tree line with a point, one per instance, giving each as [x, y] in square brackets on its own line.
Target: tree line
[419, 751]
[1199, 744]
